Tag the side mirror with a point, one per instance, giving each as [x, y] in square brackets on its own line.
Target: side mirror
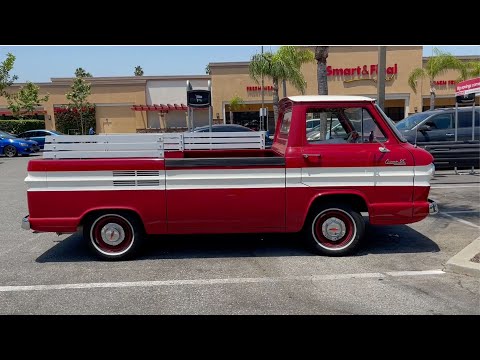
[424, 127]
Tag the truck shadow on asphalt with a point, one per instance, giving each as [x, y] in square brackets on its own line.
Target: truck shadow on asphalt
[378, 240]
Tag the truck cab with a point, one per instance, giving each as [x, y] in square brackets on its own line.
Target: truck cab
[309, 181]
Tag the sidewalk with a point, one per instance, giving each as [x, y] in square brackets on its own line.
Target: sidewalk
[467, 261]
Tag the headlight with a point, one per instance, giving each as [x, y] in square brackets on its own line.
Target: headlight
[24, 144]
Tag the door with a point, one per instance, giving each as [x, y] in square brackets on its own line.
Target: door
[465, 125]
[225, 194]
[339, 153]
[368, 160]
[40, 137]
[441, 127]
[35, 136]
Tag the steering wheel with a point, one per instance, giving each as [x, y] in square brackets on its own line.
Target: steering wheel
[352, 137]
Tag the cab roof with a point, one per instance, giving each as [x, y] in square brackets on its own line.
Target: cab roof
[328, 98]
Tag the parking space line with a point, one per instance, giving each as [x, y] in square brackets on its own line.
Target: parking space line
[460, 220]
[415, 273]
[462, 212]
[131, 284]
[454, 186]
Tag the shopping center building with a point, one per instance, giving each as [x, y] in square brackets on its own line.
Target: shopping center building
[158, 103]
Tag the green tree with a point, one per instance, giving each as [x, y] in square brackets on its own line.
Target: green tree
[24, 102]
[81, 73]
[285, 64]
[138, 71]
[6, 79]
[235, 103]
[207, 69]
[77, 97]
[472, 70]
[436, 65]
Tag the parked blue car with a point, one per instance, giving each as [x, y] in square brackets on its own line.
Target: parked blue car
[12, 146]
[38, 135]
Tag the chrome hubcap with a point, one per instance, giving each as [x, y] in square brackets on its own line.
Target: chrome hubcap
[333, 229]
[9, 151]
[112, 234]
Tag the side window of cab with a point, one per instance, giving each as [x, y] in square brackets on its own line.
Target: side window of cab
[342, 125]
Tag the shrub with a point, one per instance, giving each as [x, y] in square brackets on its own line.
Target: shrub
[68, 120]
[19, 126]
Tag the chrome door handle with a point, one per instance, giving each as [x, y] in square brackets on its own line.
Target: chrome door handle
[306, 156]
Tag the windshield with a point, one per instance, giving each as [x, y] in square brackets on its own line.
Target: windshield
[411, 121]
[391, 124]
[6, 135]
[56, 132]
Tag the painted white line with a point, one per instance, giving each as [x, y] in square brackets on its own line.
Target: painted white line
[461, 220]
[159, 283]
[454, 186]
[461, 212]
[415, 273]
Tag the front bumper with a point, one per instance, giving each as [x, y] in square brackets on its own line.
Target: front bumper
[25, 223]
[432, 207]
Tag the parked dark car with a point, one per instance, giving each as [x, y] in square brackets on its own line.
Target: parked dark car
[230, 128]
[222, 128]
[11, 146]
[439, 125]
[38, 135]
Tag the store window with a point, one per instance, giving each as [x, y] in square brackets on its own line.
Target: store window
[395, 113]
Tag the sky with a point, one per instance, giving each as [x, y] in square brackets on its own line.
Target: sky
[40, 63]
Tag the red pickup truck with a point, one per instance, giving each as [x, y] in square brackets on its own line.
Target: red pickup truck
[317, 181]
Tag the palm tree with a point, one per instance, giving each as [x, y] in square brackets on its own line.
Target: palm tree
[472, 70]
[435, 66]
[285, 64]
[138, 71]
[321, 55]
[236, 103]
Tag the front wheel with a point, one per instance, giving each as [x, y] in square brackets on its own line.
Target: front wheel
[10, 151]
[334, 229]
[113, 236]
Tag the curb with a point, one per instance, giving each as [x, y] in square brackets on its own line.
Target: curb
[461, 264]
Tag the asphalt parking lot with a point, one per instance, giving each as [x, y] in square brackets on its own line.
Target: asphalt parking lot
[397, 271]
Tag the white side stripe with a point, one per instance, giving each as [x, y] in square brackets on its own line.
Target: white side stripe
[224, 179]
[180, 179]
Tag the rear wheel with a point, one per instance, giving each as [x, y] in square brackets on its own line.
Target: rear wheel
[113, 236]
[334, 229]
[10, 151]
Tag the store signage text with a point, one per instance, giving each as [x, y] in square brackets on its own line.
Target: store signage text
[444, 82]
[360, 70]
[259, 88]
[471, 86]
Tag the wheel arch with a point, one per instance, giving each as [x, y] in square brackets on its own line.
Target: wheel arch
[93, 213]
[356, 199]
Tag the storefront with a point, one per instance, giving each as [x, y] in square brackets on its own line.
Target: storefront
[351, 70]
[126, 104]
[157, 103]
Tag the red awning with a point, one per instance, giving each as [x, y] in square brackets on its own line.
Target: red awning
[160, 108]
[36, 112]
